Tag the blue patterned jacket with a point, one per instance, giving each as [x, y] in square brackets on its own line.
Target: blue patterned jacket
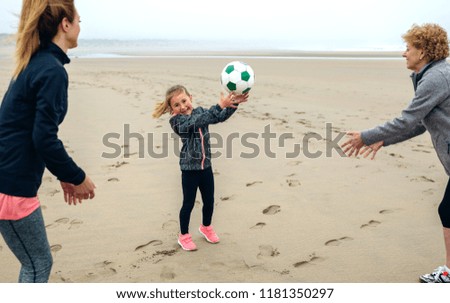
[194, 133]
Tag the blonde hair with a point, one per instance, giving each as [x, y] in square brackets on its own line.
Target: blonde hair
[164, 107]
[38, 25]
[431, 38]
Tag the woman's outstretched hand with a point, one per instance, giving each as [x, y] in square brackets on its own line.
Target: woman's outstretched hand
[353, 144]
[371, 149]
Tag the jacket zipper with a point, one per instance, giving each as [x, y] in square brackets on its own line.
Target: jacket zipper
[203, 148]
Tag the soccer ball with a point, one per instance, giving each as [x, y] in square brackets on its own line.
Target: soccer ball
[237, 77]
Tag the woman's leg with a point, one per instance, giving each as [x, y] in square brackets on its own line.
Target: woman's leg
[206, 186]
[27, 239]
[444, 214]
[447, 245]
[189, 181]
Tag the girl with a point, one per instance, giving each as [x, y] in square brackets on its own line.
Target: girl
[32, 108]
[195, 157]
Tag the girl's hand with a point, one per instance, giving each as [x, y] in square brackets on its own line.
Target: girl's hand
[232, 100]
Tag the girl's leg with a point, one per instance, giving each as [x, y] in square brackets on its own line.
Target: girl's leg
[189, 182]
[206, 186]
[27, 239]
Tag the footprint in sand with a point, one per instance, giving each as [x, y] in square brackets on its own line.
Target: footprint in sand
[167, 273]
[155, 257]
[172, 227]
[103, 269]
[226, 198]
[113, 180]
[313, 260]
[371, 223]
[171, 224]
[429, 192]
[53, 192]
[258, 225]
[58, 223]
[386, 211]
[421, 151]
[337, 242]
[252, 183]
[294, 163]
[152, 243]
[422, 179]
[293, 183]
[272, 210]
[63, 279]
[395, 155]
[75, 223]
[119, 164]
[55, 248]
[128, 155]
[267, 251]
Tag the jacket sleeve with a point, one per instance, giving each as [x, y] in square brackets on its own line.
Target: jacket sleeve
[51, 106]
[429, 94]
[188, 123]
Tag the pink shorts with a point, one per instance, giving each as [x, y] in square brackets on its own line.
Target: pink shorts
[16, 208]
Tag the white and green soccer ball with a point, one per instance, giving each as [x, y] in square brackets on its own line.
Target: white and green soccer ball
[237, 77]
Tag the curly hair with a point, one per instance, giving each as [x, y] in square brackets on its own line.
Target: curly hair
[431, 38]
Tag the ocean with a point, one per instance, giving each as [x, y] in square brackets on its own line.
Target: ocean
[105, 48]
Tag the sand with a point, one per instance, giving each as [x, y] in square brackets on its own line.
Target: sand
[282, 215]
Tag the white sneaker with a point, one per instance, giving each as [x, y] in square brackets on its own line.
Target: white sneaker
[439, 275]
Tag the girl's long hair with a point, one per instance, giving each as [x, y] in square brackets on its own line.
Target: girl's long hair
[38, 25]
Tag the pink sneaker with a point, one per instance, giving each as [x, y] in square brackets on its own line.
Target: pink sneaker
[209, 234]
[186, 242]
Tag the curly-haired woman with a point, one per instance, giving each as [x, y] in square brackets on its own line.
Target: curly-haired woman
[426, 53]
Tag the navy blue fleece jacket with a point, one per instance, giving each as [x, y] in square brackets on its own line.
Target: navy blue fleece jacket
[30, 113]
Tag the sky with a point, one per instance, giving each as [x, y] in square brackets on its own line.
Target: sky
[301, 24]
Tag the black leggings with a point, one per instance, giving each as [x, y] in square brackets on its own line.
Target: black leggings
[192, 180]
[444, 207]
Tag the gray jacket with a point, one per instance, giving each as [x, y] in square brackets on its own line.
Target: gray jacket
[193, 129]
[429, 110]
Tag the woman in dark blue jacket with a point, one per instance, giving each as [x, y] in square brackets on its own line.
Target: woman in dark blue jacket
[30, 113]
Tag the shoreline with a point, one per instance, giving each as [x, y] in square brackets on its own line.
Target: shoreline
[271, 56]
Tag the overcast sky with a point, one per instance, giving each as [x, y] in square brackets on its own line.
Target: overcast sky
[312, 24]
